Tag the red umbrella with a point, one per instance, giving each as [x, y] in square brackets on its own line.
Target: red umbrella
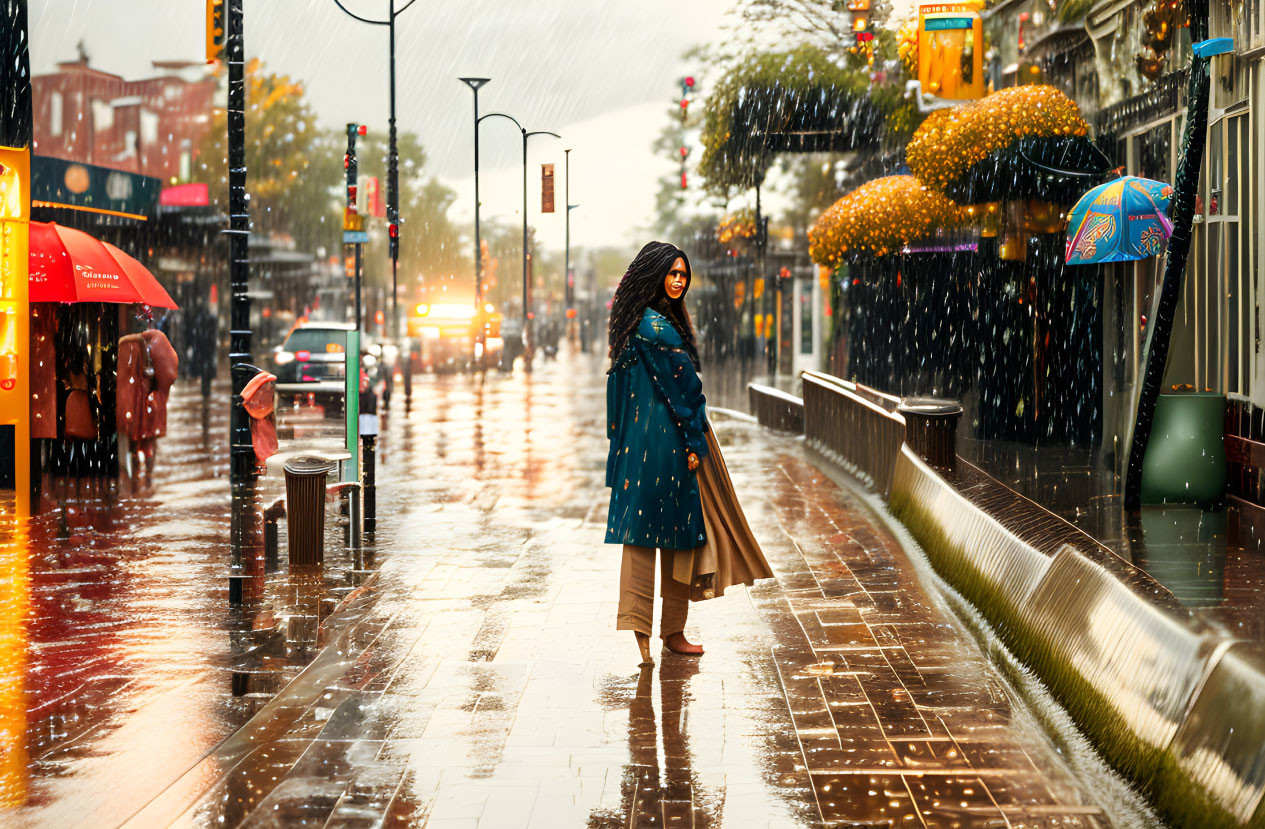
[68, 265]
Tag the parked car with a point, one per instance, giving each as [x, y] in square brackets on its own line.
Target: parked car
[311, 362]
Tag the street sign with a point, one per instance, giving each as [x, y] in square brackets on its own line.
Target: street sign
[352, 237]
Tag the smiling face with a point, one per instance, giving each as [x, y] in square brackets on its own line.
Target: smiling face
[675, 282]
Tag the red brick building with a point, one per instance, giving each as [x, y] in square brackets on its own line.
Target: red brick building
[151, 126]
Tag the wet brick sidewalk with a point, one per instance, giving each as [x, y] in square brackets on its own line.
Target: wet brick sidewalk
[478, 681]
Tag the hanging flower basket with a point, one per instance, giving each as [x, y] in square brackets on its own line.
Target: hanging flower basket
[1023, 142]
[883, 217]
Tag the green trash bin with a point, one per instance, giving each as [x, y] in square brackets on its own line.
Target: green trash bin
[1185, 457]
[305, 508]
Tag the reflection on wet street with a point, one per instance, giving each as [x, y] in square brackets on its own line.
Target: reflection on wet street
[1191, 550]
[465, 670]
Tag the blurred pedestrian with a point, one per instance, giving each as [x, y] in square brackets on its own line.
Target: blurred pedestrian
[670, 490]
[147, 368]
[203, 338]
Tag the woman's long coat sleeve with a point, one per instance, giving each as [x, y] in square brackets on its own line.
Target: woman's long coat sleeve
[656, 416]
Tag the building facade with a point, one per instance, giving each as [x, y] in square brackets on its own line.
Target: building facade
[151, 126]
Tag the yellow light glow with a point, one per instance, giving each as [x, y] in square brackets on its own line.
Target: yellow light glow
[451, 312]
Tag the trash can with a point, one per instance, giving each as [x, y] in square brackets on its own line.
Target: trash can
[931, 428]
[305, 508]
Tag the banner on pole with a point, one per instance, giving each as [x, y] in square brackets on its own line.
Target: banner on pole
[546, 188]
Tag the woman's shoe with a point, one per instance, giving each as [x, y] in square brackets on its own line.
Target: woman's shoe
[643, 644]
[677, 643]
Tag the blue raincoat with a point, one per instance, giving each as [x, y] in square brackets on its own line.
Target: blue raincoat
[656, 415]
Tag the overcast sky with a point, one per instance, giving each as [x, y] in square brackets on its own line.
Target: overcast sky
[601, 73]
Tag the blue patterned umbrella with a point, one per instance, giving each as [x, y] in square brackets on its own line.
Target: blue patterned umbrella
[1119, 221]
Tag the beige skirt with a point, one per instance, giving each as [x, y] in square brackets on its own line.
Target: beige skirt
[731, 555]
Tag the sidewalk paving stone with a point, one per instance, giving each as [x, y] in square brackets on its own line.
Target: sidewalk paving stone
[476, 679]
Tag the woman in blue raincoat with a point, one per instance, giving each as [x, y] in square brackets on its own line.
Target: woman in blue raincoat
[670, 490]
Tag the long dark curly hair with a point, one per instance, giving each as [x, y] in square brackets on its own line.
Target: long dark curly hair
[642, 287]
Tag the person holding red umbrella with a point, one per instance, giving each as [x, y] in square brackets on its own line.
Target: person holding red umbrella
[148, 366]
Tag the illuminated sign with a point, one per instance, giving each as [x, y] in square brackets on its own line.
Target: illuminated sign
[951, 50]
[15, 398]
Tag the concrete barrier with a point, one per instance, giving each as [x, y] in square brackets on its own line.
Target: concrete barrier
[1174, 705]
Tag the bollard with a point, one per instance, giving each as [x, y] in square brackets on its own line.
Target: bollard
[356, 526]
[369, 443]
[407, 373]
[272, 515]
[369, 455]
[931, 426]
[305, 509]
[350, 493]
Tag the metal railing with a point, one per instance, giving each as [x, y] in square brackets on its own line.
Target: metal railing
[845, 423]
[776, 409]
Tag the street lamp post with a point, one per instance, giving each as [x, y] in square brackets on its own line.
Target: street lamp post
[393, 158]
[242, 460]
[570, 280]
[527, 337]
[480, 337]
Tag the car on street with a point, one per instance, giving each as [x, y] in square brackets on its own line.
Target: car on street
[445, 336]
[311, 363]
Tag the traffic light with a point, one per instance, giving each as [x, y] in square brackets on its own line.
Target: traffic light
[685, 152]
[349, 162]
[214, 30]
[687, 88]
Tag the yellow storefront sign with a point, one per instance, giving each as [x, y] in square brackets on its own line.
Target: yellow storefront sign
[951, 50]
[15, 397]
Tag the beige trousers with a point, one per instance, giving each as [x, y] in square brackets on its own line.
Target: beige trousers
[636, 593]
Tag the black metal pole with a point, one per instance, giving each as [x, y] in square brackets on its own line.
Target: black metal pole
[568, 288]
[393, 189]
[527, 341]
[393, 164]
[1183, 213]
[242, 460]
[481, 334]
[369, 445]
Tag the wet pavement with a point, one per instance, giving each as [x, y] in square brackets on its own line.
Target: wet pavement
[464, 671]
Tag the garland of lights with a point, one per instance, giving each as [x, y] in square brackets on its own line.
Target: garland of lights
[952, 141]
[882, 217]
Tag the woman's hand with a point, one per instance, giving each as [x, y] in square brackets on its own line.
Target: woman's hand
[691, 460]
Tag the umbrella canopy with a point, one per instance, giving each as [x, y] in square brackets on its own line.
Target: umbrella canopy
[1119, 221]
[68, 265]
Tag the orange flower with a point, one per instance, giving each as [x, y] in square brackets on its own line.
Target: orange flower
[882, 217]
[951, 141]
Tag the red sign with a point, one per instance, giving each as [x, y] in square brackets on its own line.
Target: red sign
[377, 207]
[185, 195]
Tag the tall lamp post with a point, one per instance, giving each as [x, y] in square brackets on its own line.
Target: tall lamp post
[480, 337]
[241, 459]
[393, 158]
[570, 280]
[527, 338]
